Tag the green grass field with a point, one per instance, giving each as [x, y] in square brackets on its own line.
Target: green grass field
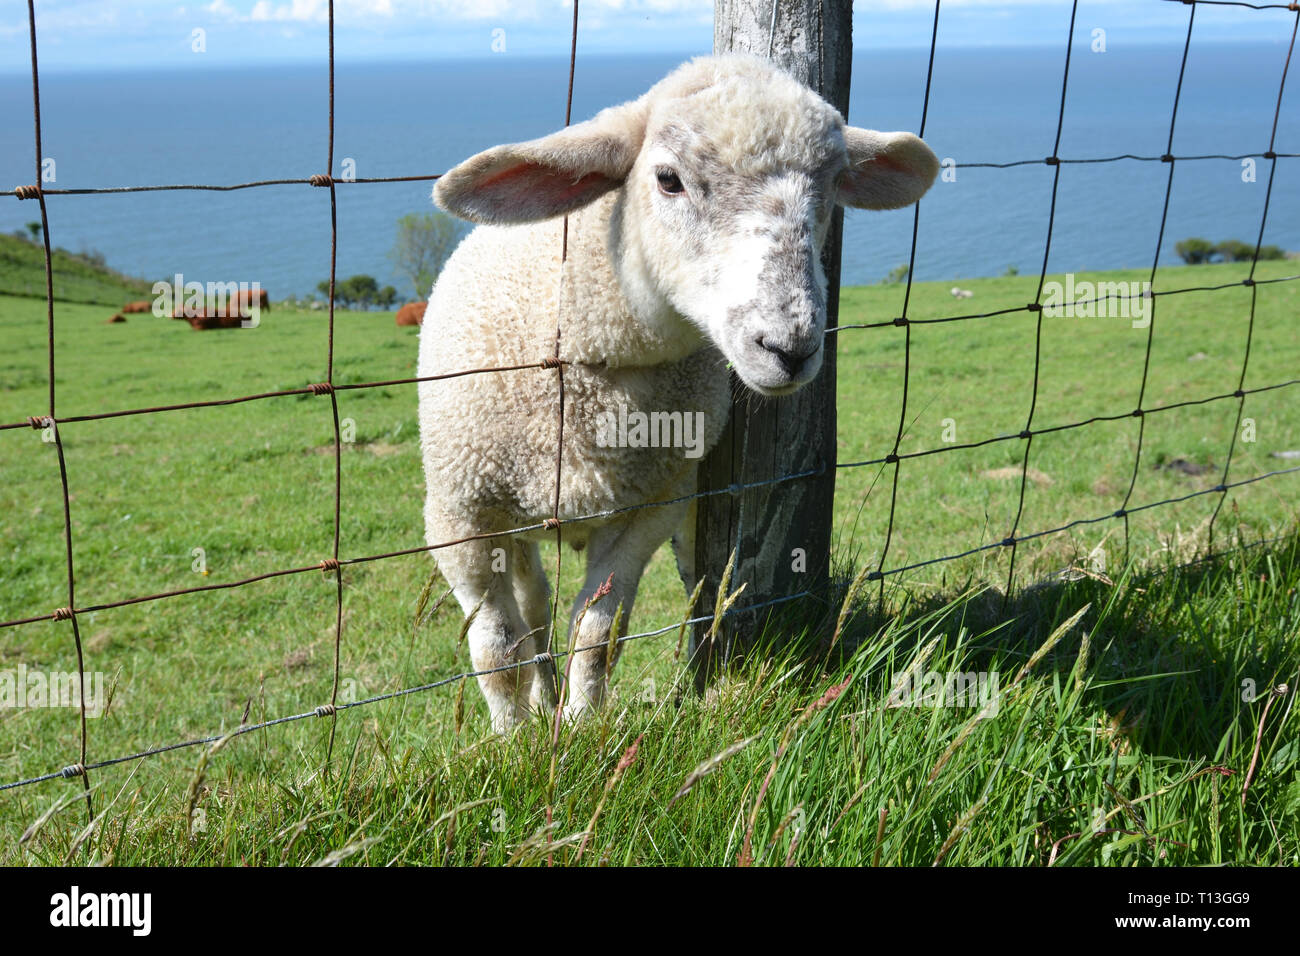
[1133, 729]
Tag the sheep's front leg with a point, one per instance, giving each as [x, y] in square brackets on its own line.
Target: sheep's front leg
[532, 595]
[622, 548]
[480, 577]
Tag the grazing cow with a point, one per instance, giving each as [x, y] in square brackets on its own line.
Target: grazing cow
[116, 318]
[412, 313]
[137, 307]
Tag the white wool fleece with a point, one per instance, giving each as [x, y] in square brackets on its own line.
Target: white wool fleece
[696, 218]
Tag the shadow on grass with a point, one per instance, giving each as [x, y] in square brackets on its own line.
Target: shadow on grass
[1176, 655]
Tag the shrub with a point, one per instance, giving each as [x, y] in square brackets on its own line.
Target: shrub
[1195, 251]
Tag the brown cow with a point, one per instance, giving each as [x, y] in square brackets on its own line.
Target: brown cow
[137, 307]
[217, 321]
[242, 302]
[411, 314]
[116, 318]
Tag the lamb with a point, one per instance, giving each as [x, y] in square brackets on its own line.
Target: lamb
[697, 213]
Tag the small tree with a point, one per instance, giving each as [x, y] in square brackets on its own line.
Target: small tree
[35, 229]
[1234, 250]
[424, 242]
[1195, 251]
[359, 291]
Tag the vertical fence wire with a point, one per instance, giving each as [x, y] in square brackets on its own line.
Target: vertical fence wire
[1037, 306]
[332, 710]
[1139, 409]
[1254, 289]
[902, 320]
[555, 521]
[70, 612]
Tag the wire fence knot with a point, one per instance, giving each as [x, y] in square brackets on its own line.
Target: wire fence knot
[330, 564]
[551, 524]
[321, 179]
[39, 421]
[325, 710]
[74, 770]
[551, 361]
[321, 388]
[545, 657]
[27, 192]
[62, 614]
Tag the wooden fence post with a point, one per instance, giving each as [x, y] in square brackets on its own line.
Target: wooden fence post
[782, 531]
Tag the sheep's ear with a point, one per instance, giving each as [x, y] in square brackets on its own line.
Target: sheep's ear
[886, 170]
[547, 177]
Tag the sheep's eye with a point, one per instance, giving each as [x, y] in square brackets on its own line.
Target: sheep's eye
[669, 184]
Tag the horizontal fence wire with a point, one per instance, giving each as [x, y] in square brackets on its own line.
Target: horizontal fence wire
[51, 421]
[328, 710]
[28, 192]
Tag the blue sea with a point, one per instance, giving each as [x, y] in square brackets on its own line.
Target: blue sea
[395, 119]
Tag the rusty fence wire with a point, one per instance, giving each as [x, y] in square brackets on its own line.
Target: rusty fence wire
[555, 364]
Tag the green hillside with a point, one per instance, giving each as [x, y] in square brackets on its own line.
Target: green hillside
[78, 277]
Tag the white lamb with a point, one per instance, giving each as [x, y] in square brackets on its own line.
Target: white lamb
[697, 214]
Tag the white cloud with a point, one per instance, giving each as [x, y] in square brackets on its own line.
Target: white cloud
[219, 8]
[298, 11]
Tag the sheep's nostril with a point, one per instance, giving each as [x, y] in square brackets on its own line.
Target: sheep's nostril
[790, 361]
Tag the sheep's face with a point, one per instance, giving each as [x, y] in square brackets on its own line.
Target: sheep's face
[729, 171]
[731, 217]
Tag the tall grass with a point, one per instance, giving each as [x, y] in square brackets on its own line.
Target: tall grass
[1131, 722]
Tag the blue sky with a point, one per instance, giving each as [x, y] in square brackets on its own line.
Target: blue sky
[118, 34]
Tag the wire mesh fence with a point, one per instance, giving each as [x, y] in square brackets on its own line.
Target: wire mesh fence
[555, 363]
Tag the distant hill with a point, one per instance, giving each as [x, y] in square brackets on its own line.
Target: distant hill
[77, 277]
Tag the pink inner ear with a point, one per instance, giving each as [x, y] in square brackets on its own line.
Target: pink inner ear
[558, 185]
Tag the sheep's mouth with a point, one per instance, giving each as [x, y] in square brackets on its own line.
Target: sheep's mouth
[778, 391]
[770, 377]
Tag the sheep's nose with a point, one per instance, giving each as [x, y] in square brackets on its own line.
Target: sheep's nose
[790, 361]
